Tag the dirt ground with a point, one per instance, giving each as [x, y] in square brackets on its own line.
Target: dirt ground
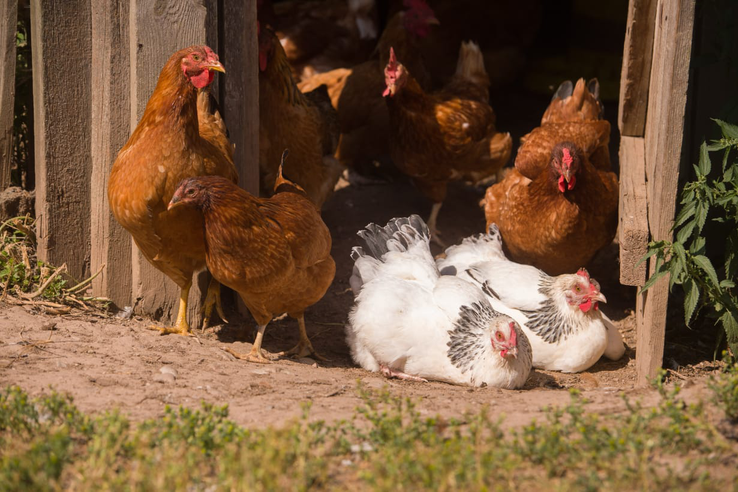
[107, 362]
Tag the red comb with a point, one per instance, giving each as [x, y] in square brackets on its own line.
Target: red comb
[583, 272]
[567, 158]
[392, 65]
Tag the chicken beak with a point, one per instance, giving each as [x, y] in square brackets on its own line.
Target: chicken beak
[217, 66]
[433, 22]
[600, 297]
[173, 203]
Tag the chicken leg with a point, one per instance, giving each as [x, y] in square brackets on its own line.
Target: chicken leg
[181, 327]
[212, 299]
[256, 354]
[391, 373]
[303, 347]
[432, 220]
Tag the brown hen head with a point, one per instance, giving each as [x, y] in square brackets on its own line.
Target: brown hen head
[418, 18]
[199, 64]
[564, 165]
[267, 47]
[395, 75]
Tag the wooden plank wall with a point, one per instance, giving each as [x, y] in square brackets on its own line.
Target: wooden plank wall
[86, 107]
[61, 36]
[650, 153]
[8, 23]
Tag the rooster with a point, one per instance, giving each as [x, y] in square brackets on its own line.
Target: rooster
[178, 136]
[444, 135]
[560, 315]
[290, 119]
[275, 252]
[409, 322]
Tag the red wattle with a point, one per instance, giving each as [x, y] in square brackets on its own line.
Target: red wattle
[562, 186]
[586, 305]
[572, 182]
[202, 79]
[262, 61]
[386, 92]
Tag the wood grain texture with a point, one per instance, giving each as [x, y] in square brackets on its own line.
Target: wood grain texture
[239, 52]
[8, 23]
[110, 244]
[158, 28]
[62, 60]
[664, 138]
[635, 74]
[633, 209]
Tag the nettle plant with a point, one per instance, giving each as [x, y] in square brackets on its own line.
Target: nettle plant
[685, 259]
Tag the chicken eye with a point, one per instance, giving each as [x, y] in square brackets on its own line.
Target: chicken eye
[190, 192]
[500, 337]
[195, 57]
[578, 288]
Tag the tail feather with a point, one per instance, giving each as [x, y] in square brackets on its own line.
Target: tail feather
[399, 234]
[283, 183]
[470, 65]
[575, 102]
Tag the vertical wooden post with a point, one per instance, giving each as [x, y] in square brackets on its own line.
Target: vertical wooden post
[8, 27]
[62, 60]
[239, 52]
[111, 126]
[672, 47]
[158, 28]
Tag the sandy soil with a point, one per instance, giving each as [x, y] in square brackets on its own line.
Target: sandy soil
[106, 362]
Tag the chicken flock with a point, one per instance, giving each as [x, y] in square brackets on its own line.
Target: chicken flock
[336, 101]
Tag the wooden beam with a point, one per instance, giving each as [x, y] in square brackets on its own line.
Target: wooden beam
[111, 126]
[8, 27]
[664, 138]
[159, 28]
[62, 59]
[633, 229]
[635, 74]
[239, 52]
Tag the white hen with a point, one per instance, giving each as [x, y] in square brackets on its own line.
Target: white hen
[412, 323]
[560, 315]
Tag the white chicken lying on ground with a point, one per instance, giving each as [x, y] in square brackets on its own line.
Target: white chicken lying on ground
[412, 323]
[560, 315]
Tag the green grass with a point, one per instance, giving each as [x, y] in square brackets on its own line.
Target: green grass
[46, 443]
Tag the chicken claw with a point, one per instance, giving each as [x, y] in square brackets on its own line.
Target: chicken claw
[256, 355]
[181, 327]
[303, 347]
[391, 373]
[212, 299]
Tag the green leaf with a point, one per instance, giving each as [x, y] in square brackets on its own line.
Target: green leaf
[660, 272]
[729, 131]
[727, 284]
[717, 145]
[706, 265]
[729, 320]
[731, 255]
[686, 231]
[685, 213]
[698, 245]
[701, 215]
[653, 248]
[705, 164]
[691, 298]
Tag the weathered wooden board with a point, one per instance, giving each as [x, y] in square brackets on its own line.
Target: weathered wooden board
[158, 29]
[633, 229]
[62, 82]
[239, 53]
[674, 22]
[635, 74]
[8, 23]
[111, 126]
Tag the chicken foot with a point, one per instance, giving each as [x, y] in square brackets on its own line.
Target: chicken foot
[181, 327]
[391, 373]
[256, 354]
[212, 299]
[432, 220]
[303, 347]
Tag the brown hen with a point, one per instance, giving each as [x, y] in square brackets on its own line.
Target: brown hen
[356, 92]
[166, 147]
[561, 218]
[290, 119]
[274, 252]
[444, 135]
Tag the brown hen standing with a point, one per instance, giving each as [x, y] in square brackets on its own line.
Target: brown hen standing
[445, 135]
[274, 252]
[168, 145]
[290, 119]
[559, 205]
